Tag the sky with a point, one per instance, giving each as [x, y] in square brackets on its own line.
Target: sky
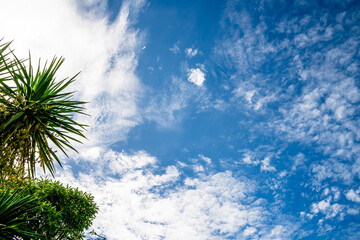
[209, 119]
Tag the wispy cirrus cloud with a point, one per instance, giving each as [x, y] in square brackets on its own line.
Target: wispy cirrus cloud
[298, 74]
[322, 77]
[166, 108]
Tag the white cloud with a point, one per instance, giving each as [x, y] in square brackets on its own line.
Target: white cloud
[353, 211]
[249, 95]
[191, 52]
[331, 169]
[249, 231]
[265, 165]
[198, 168]
[206, 159]
[277, 231]
[249, 159]
[91, 153]
[298, 160]
[196, 76]
[175, 49]
[122, 162]
[103, 52]
[328, 209]
[263, 152]
[320, 206]
[353, 195]
[252, 97]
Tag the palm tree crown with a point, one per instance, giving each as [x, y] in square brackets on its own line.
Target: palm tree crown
[34, 111]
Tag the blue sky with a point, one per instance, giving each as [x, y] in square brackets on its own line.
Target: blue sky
[209, 119]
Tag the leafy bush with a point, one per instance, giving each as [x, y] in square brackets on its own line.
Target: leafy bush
[63, 212]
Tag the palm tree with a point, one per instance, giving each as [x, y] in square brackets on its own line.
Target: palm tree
[35, 111]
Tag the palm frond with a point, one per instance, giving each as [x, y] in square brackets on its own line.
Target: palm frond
[13, 209]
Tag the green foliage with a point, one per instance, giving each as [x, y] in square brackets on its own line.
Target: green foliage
[64, 212]
[34, 111]
[14, 209]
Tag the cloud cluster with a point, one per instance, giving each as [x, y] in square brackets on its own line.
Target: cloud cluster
[137, 201]
[191, 52]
